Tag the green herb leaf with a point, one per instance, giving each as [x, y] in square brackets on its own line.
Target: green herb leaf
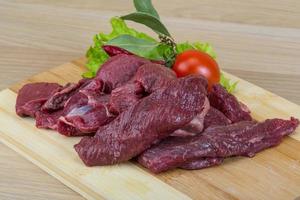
[96, 56]
[204, 47]
[145, 6]
[149, 21]
[226, 83]
[141, 47]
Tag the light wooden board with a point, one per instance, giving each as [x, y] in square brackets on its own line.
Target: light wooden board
[272, 174]
[256, 40]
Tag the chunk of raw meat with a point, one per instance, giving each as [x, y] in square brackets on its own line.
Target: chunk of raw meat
[154, 76]
[202, 163]
[245, 138]
[57, 100]
[85, 111]
[32, 96]
[119, 69]
[148, 78]
[228, 104]
[148, 121]
[215, 117]
[125, 96]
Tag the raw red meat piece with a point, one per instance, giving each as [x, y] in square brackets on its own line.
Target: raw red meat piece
[119, 69]
[114, 50]
[195, 126]
[57, 100]
[32, 96]
[148, 121]
[154, 77]
[228, 104]
[47, 120]
[245, 138]
[215, 118]
[125, 96]
[85, 111]
[148, 78]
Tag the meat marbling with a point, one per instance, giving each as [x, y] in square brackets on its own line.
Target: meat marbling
[148, 121]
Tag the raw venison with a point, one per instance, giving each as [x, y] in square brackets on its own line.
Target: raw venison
[85, 111]
[245, 138]
[119, 69]
[114, 50]
[57, 100]
[228, 104]
[125, 96]
[32, 96]
[215, 117]
[148, 121]
[154, 76]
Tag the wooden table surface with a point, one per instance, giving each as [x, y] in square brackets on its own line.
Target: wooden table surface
[256, 40]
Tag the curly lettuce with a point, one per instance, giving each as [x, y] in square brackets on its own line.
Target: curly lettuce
[204, 47]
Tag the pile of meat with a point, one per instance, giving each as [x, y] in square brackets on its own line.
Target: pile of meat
[135, 108]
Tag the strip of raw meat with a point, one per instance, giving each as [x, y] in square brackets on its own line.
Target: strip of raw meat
[125, 96]
[202, 163]
[154, 77]
[119, 69]
[245, 138]
[57, 100]
[228, 104]
[32, 96]
[215, 118]
[148, 121]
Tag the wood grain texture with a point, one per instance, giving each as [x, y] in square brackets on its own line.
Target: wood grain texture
[238, 178]
[256, 40]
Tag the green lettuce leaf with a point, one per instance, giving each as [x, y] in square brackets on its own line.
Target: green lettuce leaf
[204, 47]
[96, 56]
[227, 84]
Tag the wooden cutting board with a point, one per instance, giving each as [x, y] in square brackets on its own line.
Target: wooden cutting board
[272, 174]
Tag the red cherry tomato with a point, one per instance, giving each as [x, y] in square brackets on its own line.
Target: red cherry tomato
[197, 62]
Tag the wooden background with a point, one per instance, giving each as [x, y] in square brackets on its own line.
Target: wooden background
[256, 40]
